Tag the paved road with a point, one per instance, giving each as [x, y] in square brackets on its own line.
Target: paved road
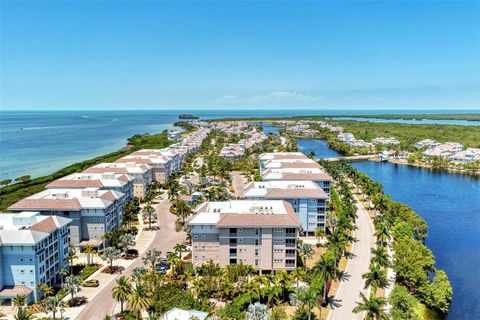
[165, 240]
[349, 290]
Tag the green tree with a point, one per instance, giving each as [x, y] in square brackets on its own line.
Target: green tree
[180, 248]
[372, 306]
[122, 291]
[23, 178]
[110, 254]
[5, 182]
[72, 285]
[439, 293]
[380, 256]
[139, 299]
[150, 215]
[403, 304]
[152, 257]
[19, 300]
[376, 277]
[52, 304]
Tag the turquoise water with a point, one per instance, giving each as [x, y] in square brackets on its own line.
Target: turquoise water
[41, 142]
[450, 203]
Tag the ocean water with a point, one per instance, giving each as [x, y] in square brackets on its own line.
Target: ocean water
[410, 121]
[41, 142]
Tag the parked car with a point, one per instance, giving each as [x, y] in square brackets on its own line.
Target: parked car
[162, 267]
[131, 254]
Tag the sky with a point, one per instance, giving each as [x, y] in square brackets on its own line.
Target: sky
[226, 54]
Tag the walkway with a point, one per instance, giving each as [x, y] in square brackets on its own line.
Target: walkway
[350, 287]
[165, 239]
[237, 183]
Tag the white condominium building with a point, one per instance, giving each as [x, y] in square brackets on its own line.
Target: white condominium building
[261, 233]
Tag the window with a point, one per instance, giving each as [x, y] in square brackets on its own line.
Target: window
[195, 237]
[203, 236]
[256, 262]
[256, 252]
[256, 242]
[257, 232]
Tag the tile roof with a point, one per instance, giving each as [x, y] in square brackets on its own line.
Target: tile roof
[52, 204]
[64, 183]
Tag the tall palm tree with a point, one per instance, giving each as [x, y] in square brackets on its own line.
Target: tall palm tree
[298, 275]
[309, 298]
[140, 299]
[376, 278]
[72, 255]
[150, 215]
[52, 304]
[382, 233]
[380, 256]
[122, 290]
[326, 270]
[89, 249]
[152, 257]
[319, 233]
[63, 273]
[372, 306]
[180, 248]
[284, 280]
[72, 284]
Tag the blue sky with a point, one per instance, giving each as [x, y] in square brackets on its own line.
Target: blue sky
[154, 54]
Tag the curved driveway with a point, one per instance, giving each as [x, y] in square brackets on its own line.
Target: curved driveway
[165, 239]
[350, 287]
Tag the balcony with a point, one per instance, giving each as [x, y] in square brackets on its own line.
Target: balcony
[291, 235]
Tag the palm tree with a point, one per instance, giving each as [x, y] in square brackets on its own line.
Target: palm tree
[89, 249]
[72, 284]
[149, 214]
[152, 257]
[138, 272]
[52, 304]
[153, 316]
[125, 241]
[326, 269]
[110, 254]
[372, 306]
[298, 274]
[122, 291]
[382, 233]
[19, 300]
[180, 247]
[23, 314]
[182, 210]
[319, 233]
[63, 273]
[309, 298]
[376, 278]
[139, 299]
[305, 251]
[47, 290]
[380, 256]
[284, 280]
[72, 255]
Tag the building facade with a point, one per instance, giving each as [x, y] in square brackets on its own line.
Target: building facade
[308, 200]
[261, 233]
[33, 250]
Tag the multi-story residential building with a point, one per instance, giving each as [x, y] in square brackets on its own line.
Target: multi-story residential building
[278, 156]
[93, 211]
[141, 174]
[104, 181]
[161, 165]
[306, 163]
[260, 233]
[308, 200]
[444, 150]
[317, 175]
[33, 250]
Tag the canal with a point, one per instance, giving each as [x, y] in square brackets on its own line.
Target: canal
[450, 203]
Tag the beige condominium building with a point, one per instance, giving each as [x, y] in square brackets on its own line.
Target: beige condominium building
[261, 233]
